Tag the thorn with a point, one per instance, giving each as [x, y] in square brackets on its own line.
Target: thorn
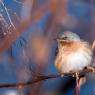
[20, 86]
[73, 75]
[62, 75]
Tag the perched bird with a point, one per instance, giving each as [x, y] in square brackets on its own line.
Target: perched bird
[73, 54]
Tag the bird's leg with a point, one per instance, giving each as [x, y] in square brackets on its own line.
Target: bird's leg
[77, 83]
[90, 68]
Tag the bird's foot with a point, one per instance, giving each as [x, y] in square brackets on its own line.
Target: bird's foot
[77, 75]
[91, 68]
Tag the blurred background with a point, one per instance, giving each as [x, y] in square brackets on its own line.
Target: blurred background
[27, 46]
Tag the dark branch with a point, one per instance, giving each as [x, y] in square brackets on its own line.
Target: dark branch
[41, 78]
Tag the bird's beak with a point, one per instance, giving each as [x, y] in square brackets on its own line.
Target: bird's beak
[56, 39]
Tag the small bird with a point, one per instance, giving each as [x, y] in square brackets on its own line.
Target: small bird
[73, 54]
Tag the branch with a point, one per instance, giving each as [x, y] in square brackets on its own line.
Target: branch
[41, 78]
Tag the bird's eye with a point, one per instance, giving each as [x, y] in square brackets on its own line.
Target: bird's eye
[64, 38]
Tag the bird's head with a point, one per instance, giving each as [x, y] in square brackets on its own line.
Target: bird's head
[68, 36]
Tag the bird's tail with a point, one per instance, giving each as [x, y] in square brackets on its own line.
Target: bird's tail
[93, 45]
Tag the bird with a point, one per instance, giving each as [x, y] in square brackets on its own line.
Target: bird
[74, 54]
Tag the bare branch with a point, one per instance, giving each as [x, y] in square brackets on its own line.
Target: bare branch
[41, 78]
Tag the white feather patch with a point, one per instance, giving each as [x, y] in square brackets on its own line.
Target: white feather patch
[76, 61]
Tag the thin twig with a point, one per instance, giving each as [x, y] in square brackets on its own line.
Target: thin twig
[41, 78]
[77, 84]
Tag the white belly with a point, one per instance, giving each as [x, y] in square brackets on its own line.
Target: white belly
[75, 61]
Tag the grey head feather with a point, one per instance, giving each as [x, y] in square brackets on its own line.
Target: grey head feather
[68, 36]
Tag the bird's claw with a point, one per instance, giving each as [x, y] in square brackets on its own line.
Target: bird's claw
[91, 68]
[77, 75]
